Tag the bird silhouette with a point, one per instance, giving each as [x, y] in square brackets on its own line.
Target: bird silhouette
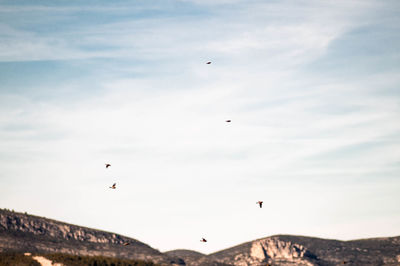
[108, 165]
[260, 203]
[228, 121]
[114, 186]
[203, 240]
[208, 63]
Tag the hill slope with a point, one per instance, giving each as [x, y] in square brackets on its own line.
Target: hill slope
[300, 250]
[27, 233]
[186, 254]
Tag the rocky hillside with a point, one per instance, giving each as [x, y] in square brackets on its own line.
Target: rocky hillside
[299, 250]
[286, 250]
[27, 233]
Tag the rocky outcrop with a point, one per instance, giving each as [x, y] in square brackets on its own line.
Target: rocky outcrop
[271, 250]
[277, 249]
[46, 227]
[274, 249]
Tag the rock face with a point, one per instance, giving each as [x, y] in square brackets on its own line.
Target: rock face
[46, 227]
[277, 249]
[274, 249]
[27, 233]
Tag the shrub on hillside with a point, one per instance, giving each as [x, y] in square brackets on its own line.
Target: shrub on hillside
[16, 259]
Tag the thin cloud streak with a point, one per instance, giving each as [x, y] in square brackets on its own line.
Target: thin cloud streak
[138, 94]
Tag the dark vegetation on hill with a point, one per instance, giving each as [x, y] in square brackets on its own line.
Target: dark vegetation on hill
[72, 260]
[16, 259]
[19, 259]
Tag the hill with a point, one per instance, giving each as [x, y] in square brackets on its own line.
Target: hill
[28, 233]
[20, 233]
[301, 250]
[186, 255]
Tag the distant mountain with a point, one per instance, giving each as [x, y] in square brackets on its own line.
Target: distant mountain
[300, 250]
[287, 250]
[191, 257]
[27, 233]
[186, 254]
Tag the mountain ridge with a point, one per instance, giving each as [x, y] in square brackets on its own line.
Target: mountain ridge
[29, 233]
[21, 232]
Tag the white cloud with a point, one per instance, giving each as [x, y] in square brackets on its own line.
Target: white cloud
[293, 130]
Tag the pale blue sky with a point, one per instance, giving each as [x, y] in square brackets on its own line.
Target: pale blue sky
[312, 88]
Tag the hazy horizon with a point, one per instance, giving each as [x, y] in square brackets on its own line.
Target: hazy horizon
[311, 87]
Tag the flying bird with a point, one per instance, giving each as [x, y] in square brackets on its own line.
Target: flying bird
[208, 63]
[260, 203]
[108, 165]
[228, 121]
[203, 240]
[114, 186]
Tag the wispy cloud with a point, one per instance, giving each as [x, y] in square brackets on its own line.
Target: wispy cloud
[311, 89]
